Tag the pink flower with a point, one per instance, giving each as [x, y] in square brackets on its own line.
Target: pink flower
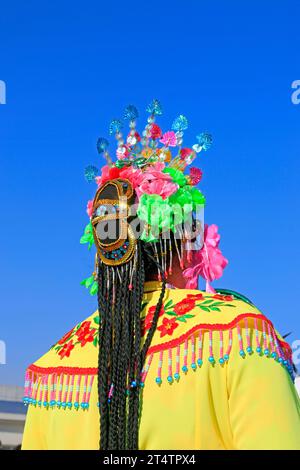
[134, 175]
[157, 186]
[208, 262]
[89, 208]
[154, 181]
[104, 175]
[169, 139]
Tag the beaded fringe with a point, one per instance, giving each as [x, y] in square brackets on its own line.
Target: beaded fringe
[66, 391]
[58, 389]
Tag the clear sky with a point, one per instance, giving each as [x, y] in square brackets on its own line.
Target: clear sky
[69, 68]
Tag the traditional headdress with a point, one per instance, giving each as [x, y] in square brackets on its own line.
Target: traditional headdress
[147, 194]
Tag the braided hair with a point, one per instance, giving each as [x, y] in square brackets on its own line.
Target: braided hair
[121, 352]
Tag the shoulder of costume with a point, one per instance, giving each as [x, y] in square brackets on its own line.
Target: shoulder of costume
[194, 327]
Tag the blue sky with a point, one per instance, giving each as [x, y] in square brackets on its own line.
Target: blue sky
[69, 68]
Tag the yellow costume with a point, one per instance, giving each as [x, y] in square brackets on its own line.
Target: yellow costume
[217, 376]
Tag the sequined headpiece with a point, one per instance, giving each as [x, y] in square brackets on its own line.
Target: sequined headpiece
[149, 173]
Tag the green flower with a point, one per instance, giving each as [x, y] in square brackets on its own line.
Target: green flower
[90, 284]
[88, 237]
[176, 175]
[188, 195]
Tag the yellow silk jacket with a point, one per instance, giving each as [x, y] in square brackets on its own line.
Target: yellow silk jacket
[217, 376]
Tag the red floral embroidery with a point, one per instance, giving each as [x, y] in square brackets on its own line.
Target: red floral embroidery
[66, 349]
[65, 337]
[195, 296]
[85, 334]
[184, 306]
[84, 326]
[149, 317]
[167, 327]
[226, 298]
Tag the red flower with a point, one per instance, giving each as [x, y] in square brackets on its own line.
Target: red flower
[149, 317]
[187, 153]
[155, 132]
[167, 327]
[195, 296]
[184, 306]
[114, 173]
[66, 349]
[226, 298]
[65, 337]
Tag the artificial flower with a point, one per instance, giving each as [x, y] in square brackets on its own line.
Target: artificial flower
[158, 187]
[133, 139]
[134, 175]
[122, 152]
[187, 154]
[164, 155]
[177, 176]
[89, 208]
[155, 131]
[195, 176]
[169, 139]
[208, 262]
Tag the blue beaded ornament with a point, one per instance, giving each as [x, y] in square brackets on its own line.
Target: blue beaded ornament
[131, 113]
[204, 140]
[180, 124]
[115, 126]
[102, 145]
[154, 108]
[90, 173]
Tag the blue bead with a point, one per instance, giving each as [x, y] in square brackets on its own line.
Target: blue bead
[274, 355]
[266, 352]
[69, 404]
[249, 350]
[109, 400]
[242, 353]
[158, 380]
[221, 360]
[45, 403]
[185, 368]
[40, 402]
[226, 357]
[193, 366]
[211, 359]
[82, 405]
[76, 404]
[170, 378]
[280, 360]
[34, 402]
[63, 404]
[285, 362]
[133, 383]
[199, 362]
[58, 403]
[176, 376]
[142, 384]
[258, 349]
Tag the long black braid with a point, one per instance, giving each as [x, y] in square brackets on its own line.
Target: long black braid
[121, 352]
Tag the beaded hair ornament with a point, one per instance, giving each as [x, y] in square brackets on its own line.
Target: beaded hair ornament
[150, 186]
